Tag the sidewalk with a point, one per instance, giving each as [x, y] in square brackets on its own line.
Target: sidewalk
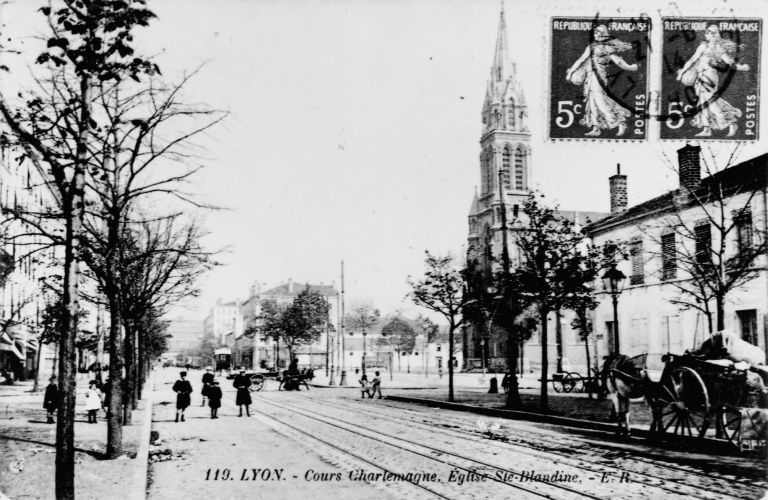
[27, 449]
[398, 380]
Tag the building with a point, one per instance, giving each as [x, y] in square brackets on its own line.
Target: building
[24, 260]
[669, 237]
[253, 351]
[224, 318]
[185, 334]
[505, 183]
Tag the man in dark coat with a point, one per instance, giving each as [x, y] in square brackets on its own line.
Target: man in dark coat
[207, 381]
[183, 389]
[242, 384]
[51, 399]
[214, 398]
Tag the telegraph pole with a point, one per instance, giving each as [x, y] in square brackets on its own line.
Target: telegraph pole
[343, 381]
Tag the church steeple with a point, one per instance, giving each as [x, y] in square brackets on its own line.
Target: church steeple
[501, 69]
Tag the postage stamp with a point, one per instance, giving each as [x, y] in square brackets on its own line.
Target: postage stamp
[710, 78]
[599, 78]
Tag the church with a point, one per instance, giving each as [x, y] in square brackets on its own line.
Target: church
[505, 183]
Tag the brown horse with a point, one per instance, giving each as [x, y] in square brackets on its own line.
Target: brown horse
[624, 378]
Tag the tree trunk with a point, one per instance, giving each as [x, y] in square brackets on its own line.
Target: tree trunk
[720, 305]
[450, 362]
[130, 368]
[589, 366]
[115, 405]
[543, 395]
[36, 387]
[73, 210]
[559, 340]
[513, 391]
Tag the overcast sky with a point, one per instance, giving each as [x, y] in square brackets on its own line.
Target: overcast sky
[354, 127]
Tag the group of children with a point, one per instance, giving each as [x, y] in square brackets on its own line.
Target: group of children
[94, 400]
[212, 392]
[372, 387]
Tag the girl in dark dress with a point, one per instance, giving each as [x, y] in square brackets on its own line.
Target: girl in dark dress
[207, 381]
[51, 399]
[214, 398]
[242, 384]
[183, 389]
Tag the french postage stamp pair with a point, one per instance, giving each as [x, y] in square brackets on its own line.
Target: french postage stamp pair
[602, 84]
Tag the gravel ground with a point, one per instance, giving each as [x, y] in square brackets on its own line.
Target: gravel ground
[27, 449]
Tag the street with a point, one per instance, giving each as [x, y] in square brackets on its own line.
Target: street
[329, 442]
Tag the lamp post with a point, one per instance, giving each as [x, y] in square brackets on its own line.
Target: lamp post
[613, 283]
[363, 350]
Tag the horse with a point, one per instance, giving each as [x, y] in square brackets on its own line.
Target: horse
[624, 378]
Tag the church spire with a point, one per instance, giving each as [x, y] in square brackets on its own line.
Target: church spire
[502, 68]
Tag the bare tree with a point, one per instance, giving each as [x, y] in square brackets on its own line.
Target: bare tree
[363, 317]
[710, 233]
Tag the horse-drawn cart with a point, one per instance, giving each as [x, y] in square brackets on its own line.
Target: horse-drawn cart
[287, 381]
[710, 398]
[576, 382]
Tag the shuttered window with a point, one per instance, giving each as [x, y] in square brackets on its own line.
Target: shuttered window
[636, 256]
[743, 223]
[703, 243]
[668, 257]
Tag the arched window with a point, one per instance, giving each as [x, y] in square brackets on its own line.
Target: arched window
[519, 169]
[511, 113]
[506, 163]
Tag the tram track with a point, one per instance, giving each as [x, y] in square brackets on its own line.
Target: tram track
[665, 467]
[476, 464]
[591, 466]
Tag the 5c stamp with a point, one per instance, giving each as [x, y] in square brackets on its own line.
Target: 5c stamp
[599, 78]
[710, 78]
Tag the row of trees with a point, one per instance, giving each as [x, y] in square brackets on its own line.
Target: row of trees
[556, 272]
[112, 142]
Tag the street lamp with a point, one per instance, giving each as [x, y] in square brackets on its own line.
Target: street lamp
[613, 283]
[363, 350]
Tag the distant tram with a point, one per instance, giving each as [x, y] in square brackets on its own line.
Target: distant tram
[222, 359]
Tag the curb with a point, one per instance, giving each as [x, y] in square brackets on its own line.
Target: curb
[138, 489]
[688, 443]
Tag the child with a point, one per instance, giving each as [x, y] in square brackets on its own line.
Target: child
[183, 389]
[376, 385]
[214, 398]
[92, 401]
[365, 387]
[51, 399]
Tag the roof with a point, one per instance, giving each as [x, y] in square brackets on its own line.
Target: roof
[581, 218]
[292, 288]
[744, 177]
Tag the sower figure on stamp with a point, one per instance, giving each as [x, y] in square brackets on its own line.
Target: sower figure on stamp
[183, 389]
[214, 398]
[243, 383]
[702, 72]
[591, 71]
[376, 386]
[51, 398]
[207, 381]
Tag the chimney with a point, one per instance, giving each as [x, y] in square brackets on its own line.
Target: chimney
[689, 167]
[618, 185]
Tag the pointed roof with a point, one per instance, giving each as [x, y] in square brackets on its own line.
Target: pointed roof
[503, 83]
[501, 69]
[475, 208]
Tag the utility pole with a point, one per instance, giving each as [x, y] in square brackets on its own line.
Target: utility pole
[343, 381]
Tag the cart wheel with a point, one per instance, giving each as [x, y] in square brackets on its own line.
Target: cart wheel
[579, 384]
[682, 404]
[730, 419]
[569, 382]
[557, 384]
[257, 382]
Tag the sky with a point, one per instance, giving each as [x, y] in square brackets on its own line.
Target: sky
[354, 126]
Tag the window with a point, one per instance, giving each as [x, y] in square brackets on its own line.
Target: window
[743, 222]
[439, 348]
[668, 257]
[636, 257]
[703, 235]
[519, 170]
[506, 157]
[748, 325]
[511, 113]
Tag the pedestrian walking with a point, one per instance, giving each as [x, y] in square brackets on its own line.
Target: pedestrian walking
[365, 387]
[505, 382]
[183, 389]
[51, 398]
[106, 389]
[207, 381]
[92, 401]
[242, 383]
[376, 385]
[214, 398]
